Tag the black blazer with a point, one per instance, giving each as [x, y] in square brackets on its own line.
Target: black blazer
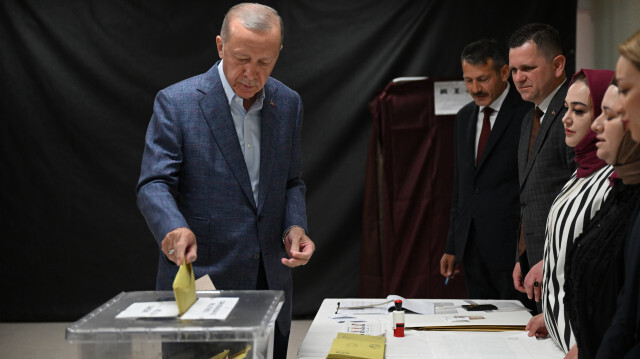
[544, 173]
[488, 194]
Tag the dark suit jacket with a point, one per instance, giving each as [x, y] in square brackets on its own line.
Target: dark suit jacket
[544, 172]
[194, 175]
[489, 193]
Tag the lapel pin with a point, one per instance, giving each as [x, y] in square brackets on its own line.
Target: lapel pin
[553, 113]
[272, 104]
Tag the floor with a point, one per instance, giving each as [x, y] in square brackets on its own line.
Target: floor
[17, 340]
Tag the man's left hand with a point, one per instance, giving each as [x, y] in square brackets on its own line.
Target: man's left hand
[299, 247]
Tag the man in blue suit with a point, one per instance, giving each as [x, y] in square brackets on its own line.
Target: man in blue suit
[485, 209]
[220, 184]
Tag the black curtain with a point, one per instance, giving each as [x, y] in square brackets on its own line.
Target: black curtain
[78, 78]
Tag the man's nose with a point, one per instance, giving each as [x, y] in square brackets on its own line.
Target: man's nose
[517, 76]
[475, 87]
[250, 71]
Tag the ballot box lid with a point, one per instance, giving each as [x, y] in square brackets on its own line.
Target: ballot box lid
[251, 317]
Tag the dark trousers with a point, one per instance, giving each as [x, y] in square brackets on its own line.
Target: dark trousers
[482, 280]
[536, 308]
[280, 335]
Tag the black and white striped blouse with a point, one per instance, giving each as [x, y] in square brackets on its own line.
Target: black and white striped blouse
[571, 211]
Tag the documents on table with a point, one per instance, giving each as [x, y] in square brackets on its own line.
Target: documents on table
[363, 328]
[502, 306]
[355, 346]
[203, 308]
[479, 345]
[351, 306]
[470, 321]
[507, 315]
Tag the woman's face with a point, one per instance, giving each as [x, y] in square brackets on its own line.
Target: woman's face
[577, 121]
[628, 78]
[608, 127]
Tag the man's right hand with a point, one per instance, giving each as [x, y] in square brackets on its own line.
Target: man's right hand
[517, 278]
[448, 265]
[180, 244]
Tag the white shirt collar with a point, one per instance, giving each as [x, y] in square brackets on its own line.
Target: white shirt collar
[544, 105]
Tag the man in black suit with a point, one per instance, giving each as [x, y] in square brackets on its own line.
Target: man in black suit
[485, 209]
[545, 162]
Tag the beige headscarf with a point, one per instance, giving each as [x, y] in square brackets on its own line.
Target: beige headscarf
[628, 160]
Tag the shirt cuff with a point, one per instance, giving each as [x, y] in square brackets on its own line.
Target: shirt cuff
[289, 229]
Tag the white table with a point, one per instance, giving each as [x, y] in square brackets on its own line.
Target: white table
[429, 344]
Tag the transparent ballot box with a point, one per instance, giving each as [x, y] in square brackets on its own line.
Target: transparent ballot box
[249, 326]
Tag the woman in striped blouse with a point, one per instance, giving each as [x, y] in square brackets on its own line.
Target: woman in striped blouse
[579, 200]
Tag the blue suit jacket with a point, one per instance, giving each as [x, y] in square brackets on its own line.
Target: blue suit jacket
[194, 175]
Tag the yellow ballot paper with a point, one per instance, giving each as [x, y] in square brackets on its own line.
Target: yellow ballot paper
[357, 346]
[223, 355]
[241, 354]
[184, 287]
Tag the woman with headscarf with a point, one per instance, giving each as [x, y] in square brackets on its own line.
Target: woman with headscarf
[622, 338]
[578, 201]
[594, 271]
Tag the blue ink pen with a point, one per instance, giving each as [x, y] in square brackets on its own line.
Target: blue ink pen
[446, 281]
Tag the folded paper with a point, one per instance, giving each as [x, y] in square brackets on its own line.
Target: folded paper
[241, 354]
[205, 283]
[184, 288]
[356, 346]
[223, 355]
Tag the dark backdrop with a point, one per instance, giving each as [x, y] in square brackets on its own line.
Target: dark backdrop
[78, 80]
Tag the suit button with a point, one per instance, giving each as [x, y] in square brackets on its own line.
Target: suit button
[256, 256]
[476, 191]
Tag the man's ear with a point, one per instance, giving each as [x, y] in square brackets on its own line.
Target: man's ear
[505, 72]
[558, 65]
[219, 45]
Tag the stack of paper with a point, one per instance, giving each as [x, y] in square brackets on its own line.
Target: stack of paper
[356, 346]
[474, 321]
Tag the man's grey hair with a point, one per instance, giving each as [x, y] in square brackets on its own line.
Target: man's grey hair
[256, 17]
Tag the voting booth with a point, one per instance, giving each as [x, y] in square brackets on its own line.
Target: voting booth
[146, 325]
